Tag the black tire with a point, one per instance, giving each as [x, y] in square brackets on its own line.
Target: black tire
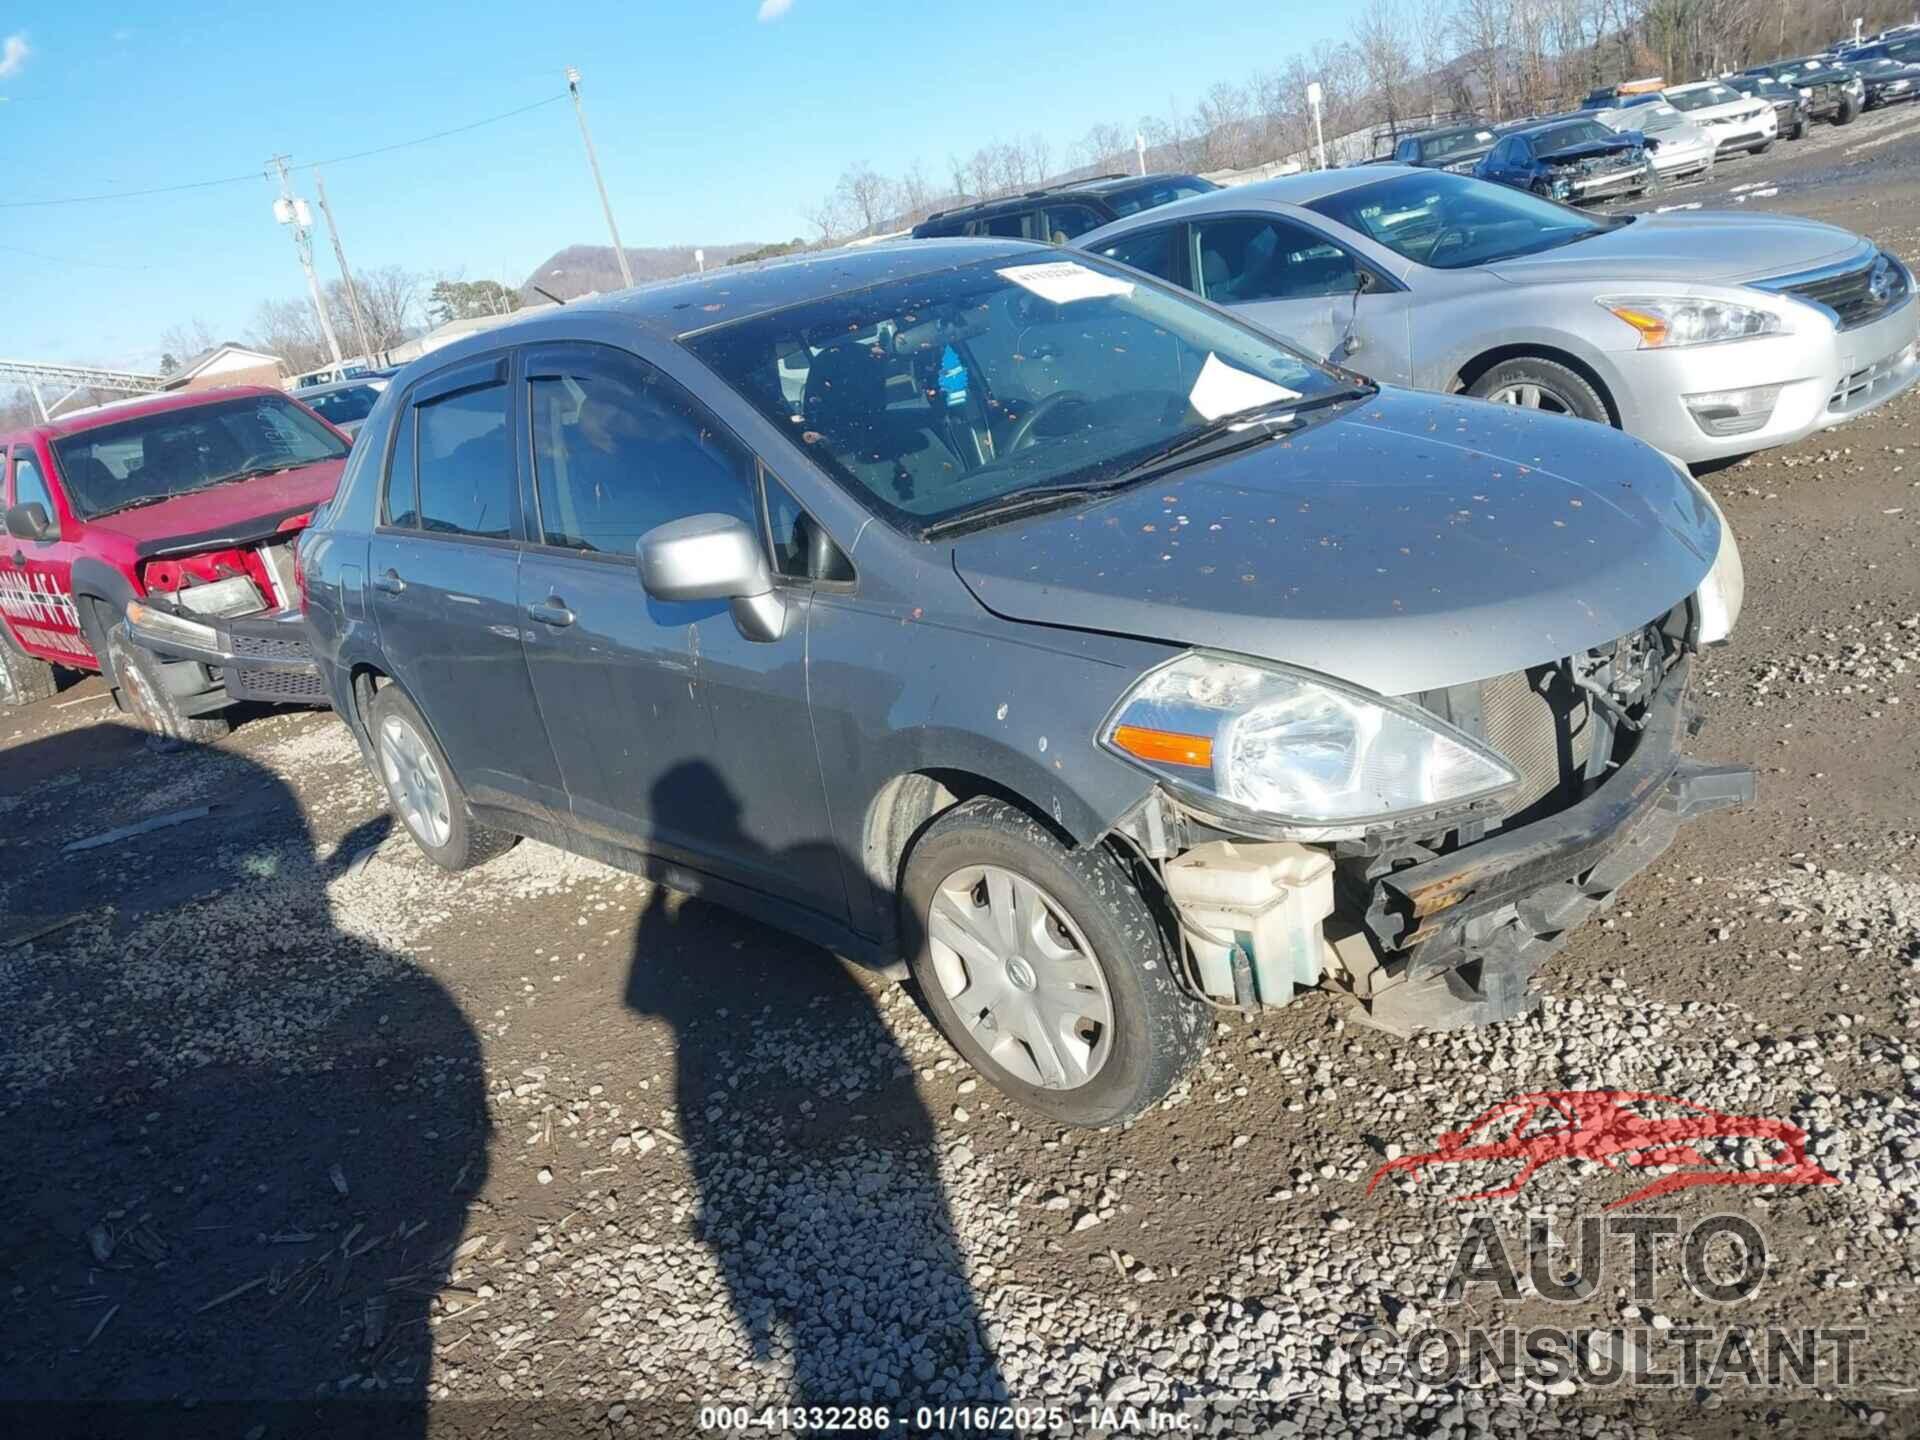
[1800, 129]
[466, 843]
[1158, 1030]
[1571, 391]
[1847, 111]
[23, 680]
[137, 676]
[1761, 148]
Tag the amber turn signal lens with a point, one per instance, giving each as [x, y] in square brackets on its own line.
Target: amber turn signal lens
[1165, 747]
[1653, 330]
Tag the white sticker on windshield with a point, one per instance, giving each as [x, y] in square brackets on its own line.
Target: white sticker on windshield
[1064, 281]
[1222, 389]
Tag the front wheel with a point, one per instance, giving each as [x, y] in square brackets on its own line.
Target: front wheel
[1045, 967]
[1800, 129]
[1848, 109]
[142, 682]
[421, 788]
[1536, 384]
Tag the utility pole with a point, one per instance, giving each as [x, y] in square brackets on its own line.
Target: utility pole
[346, 275]
[619, 252]
[295, 216]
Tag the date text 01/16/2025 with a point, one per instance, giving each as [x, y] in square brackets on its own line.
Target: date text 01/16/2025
[942, 1419]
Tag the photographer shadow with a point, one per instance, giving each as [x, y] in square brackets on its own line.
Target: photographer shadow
[241, 1136]
[817, 1166]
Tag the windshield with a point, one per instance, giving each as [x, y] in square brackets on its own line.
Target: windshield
[1449, 143]
[1452, 222]
[156, 457]
[1701, 98]
[343, 407]
[938, 394]
[1565, 137]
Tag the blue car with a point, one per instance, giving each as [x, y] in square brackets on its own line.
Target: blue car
[1576, 160]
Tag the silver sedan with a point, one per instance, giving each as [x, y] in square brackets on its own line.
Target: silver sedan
[1706, 334]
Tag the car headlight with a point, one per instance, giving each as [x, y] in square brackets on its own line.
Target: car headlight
[235, 595]
[1296, 748]
[1669, 323]
[1724, 590]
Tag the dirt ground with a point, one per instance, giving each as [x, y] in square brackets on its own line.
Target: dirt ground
[299, 1135]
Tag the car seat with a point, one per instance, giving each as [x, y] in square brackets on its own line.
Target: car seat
[893, 452]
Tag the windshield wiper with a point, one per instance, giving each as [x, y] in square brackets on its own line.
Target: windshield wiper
[1239, 430]
[141, 503]
[1014, 502]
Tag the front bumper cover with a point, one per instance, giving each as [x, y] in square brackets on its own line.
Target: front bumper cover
[260, 657]
[1474, 925]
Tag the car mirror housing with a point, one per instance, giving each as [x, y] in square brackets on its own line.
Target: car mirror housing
[714, 557]
[29, 521]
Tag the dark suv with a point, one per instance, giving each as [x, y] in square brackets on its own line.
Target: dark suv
[1059, 213]
[1832, 91]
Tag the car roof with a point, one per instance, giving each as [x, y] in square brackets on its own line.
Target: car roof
[112, 413]
[1093, 185]
[669, 309]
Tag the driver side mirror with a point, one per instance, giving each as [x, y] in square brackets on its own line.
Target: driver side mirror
[714, 557]
[29, 521]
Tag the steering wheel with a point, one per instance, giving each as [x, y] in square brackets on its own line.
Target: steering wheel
[1022, 432]
[1452, 235]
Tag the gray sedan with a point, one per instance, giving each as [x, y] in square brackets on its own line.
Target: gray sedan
[1708, 335]
[1064, 637]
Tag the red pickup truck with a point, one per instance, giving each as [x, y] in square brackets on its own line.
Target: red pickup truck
[177, 513]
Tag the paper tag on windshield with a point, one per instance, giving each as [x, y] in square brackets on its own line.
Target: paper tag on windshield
[1221, 390]
[1064, 281]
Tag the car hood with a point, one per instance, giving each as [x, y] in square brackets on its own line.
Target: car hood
[1413, 543]
[1566, 155]
[248, 510]
[1741, 109]
[1702, 247]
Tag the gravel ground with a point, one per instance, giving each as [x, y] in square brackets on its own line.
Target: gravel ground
[301, 1134]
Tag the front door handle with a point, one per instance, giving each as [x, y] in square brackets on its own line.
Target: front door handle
[551, 611]
[389, 581]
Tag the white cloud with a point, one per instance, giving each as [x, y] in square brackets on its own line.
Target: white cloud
[14, 51]
[772, 10]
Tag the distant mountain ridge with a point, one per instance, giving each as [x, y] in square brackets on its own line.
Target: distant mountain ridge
[584, 269]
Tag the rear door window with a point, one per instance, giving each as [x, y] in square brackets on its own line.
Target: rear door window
[1064, 222]
[1249, 258]
[452, 471]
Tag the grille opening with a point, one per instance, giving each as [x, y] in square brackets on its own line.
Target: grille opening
[1543, 724]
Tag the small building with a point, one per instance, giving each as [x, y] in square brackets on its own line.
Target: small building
[229, 363]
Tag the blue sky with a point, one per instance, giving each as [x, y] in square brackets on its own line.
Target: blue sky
[719, 121]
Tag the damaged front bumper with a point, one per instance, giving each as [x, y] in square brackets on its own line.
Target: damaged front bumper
[262, 657]
[1463, 934]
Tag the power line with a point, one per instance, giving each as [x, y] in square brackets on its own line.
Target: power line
[253, 176]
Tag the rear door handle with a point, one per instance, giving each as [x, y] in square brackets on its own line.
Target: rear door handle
[389, 581]
[551, 612]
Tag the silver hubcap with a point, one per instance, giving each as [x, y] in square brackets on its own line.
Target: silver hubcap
[1532, 396]
[414, 782]
[1021, 976]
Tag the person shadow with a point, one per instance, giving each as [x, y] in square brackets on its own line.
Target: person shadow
[241, 1138]
[816, 1165]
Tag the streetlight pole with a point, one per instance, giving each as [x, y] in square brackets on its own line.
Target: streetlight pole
[295, 216]
[593, 161]
[346, 275]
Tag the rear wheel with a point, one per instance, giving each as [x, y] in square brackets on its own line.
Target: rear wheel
[421, 787]
[1045, 967]
[23, 679]
[143, 683]
[1537, 384]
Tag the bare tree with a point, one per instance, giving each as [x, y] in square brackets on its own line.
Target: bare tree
[185, 341]
[286, 328]
[1381, 36]
[864, 196]
[390, 301]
